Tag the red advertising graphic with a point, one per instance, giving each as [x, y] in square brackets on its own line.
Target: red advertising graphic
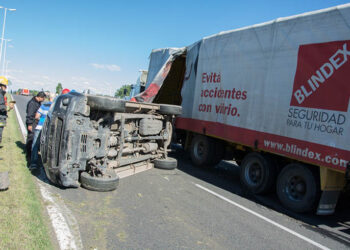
[148, 94]
[322, 76]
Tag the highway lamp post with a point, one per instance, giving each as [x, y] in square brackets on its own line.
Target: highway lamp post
[4, 61]
[3, 29]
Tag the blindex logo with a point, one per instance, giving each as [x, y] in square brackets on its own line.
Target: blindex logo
[322, 76]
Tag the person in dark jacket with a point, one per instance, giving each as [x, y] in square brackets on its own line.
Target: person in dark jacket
[32, 107]
[40, 116]
[3, 104]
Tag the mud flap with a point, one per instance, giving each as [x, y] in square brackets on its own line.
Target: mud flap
[328, 202]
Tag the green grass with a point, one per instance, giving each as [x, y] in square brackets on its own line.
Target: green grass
[23, 224]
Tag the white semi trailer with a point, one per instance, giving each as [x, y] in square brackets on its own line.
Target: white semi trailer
[275, 95]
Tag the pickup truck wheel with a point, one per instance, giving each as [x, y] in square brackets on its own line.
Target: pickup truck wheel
[203, 151]
[297, 188]
[105, 183]
[168, 163]
[167, 109]
[258, 173]
[106, 103]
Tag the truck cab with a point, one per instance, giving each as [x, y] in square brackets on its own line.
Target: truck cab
[25, 92]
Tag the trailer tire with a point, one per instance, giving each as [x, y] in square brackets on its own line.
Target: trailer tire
[108, 182]
[168, 163]
[167, 109]
[297, 188]
[203, 151]
[258, 173]
[106, 103]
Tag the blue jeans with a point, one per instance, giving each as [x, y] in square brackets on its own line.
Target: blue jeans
[35, 147]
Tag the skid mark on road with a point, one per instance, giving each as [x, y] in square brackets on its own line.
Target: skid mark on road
[263, 217]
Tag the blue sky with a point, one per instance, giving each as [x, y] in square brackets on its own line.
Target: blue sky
[103, 44]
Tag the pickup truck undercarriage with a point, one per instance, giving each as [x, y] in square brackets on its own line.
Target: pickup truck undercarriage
[85, 137]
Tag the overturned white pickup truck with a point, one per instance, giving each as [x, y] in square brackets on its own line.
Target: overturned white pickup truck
[86, 137]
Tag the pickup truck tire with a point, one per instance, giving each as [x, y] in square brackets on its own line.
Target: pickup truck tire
[106, 103]
[258, 173]
[108, 182]
[168, 163]
[297, 188]
[202, 151]
[167, 109]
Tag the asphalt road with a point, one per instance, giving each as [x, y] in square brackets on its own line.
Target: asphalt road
[193, 208]
[21, 103]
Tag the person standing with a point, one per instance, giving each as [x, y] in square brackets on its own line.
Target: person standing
[40, 116]
[32, 107]
[3, 104]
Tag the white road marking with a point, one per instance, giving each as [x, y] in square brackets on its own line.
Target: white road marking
[263, 217]
[64, 235]
[21, 124]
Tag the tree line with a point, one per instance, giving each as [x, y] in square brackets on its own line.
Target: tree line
[120, 93]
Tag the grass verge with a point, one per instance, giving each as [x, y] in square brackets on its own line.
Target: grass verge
[22, 224]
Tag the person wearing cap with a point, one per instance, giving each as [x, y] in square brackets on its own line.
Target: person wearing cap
[32, 107]
[40, 116]
[3, 104]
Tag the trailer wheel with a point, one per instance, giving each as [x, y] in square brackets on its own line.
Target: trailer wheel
[297, 188]
[107, 182]
[106, 103]
[167, 109]
[258, 173]
[202, 151]
[168, 163]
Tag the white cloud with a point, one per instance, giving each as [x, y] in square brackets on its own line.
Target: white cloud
[37, 81]
[80, 78]
[110, 67]
[15, 71]
[32, 81]
[17, 80]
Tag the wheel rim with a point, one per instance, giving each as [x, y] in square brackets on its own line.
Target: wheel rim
[169, 128]
[199, 150]
[296, 188]
[254, 174]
